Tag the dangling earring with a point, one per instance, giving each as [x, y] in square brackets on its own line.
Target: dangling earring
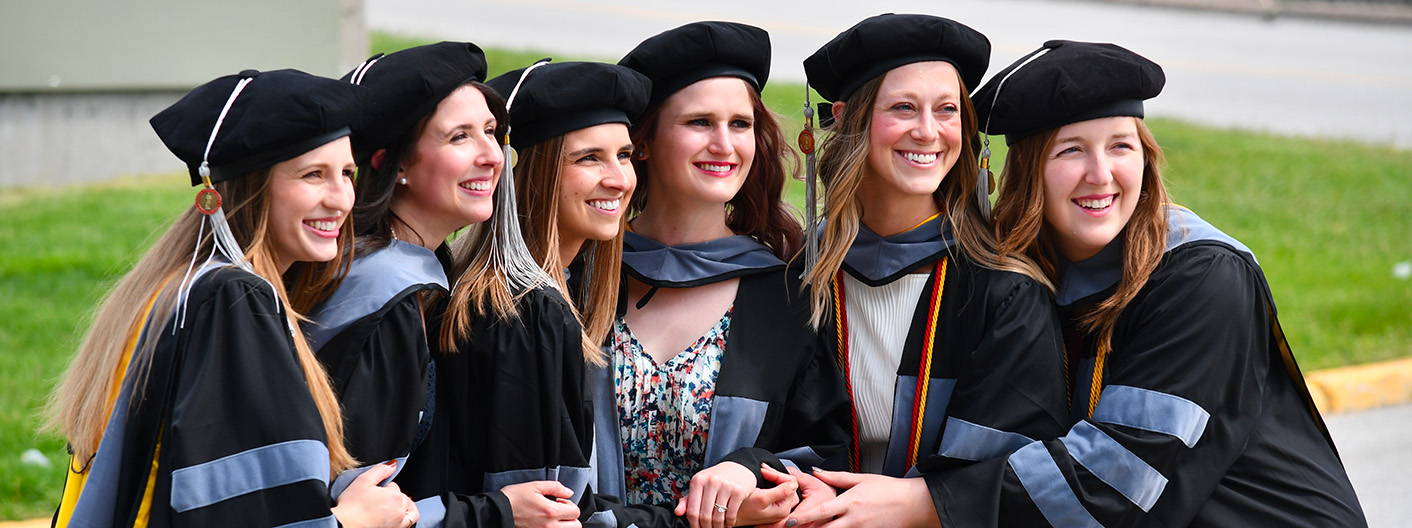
[402, 181]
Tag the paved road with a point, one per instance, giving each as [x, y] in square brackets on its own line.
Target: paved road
[1376, 447]
[1293, 76]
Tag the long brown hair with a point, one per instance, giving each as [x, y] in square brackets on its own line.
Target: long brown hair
[376, 186]
[79, 405]
[843, 165]
[537, 198]
[1019, 223]
[757, 210]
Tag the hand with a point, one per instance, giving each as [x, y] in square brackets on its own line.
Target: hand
[542, 503]
[870, 500]
[715, 495]
[766, 506]
[365, 504]
[815, 492]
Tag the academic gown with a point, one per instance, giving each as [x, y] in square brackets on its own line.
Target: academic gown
[224, 432]
[372, 340]
[511, 408]
[1202, 417]
[996, 358]
[778, 397]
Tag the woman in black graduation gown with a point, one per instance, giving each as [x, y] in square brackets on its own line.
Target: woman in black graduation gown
[511, 404]
[194, 400]
[1188, 409]
[948, 359]
[712, 357]
[430, 154]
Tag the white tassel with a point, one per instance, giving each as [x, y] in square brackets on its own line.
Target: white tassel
[506, 244]
[224, 242]
[186, 280]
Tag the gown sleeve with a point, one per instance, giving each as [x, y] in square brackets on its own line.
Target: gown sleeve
[244, 443]
[1012, 388]
[537, 414]
[510, 408]
[379, 368]
[455, 510]
[809, 415]
[1177, 405]
[818, 411]
[514, 403]
[814, 418]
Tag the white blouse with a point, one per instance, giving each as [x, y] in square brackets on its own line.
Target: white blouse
[878, 321]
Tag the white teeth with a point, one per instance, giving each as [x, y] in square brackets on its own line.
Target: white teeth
[606, 205]
[477, 185]
[322, 225]
[919, 158]
[711, 167]
[1102, 203]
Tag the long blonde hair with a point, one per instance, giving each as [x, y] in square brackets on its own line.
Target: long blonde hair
[843, 166]
[78, 407]
[1019, 223]
[537, 198]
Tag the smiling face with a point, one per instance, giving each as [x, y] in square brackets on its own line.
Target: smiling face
[596, 181]
[704, 142]
[914, 134]
[452, 168]
[1092, 182]
[309, 198]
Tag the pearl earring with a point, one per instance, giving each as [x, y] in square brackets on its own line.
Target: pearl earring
[402, 181]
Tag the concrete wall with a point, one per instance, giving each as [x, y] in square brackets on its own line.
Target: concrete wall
[62, 138]
[82, 77]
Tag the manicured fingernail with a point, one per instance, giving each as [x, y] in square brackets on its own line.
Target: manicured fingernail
[390, 463]
[791, 523]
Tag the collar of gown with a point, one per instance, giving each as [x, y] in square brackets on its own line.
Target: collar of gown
[1079, 280]
[696, 264]
[877, 260]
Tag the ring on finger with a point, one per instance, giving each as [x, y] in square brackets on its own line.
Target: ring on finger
[720, 507]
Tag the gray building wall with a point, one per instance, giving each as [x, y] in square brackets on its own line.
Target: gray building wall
[80, 78]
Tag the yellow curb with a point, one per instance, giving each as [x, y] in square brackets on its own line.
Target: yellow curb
[1361, 386]
[32, 523]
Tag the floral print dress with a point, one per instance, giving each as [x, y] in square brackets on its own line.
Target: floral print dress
[664, 411]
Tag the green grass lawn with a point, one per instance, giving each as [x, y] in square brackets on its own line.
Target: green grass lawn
[60, 250]
[1328, 222]
[1325, 218]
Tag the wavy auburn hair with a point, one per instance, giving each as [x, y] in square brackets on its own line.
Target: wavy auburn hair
[757, 210]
